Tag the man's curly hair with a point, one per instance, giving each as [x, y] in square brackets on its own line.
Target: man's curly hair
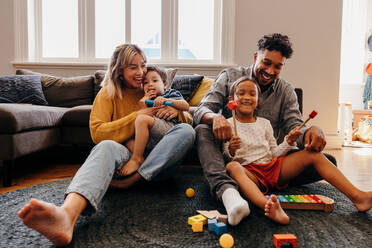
[276, 42]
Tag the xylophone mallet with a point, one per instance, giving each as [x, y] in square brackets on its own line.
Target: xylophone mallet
[311, 116]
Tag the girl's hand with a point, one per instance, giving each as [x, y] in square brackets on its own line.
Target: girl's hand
[166, 112]
[293, 135]
[159, 101]
[234, 145]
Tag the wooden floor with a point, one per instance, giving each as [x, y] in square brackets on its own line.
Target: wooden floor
[355, 163]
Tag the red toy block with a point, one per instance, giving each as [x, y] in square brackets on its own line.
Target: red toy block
[280, 239]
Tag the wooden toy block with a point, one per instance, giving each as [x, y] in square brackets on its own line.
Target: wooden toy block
[306, 202]
[197, 218]
[212, 214]
[280, 239]
[211, 224]
[220, 228]
[222, 218]
[197, 227]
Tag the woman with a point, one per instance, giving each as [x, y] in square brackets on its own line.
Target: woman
[111, 123]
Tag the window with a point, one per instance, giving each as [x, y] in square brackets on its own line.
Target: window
[169, 31]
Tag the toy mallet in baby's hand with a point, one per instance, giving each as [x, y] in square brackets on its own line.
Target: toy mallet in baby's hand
[232, 106]
[311, 116]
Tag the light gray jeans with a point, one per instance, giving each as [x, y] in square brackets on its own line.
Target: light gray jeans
[212, 161]
[94, 176]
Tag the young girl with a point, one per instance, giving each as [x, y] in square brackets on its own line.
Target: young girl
[259, 165]
[114, 112]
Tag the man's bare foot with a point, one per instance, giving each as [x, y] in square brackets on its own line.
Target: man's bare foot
[274, 211]
[126, 182]
[364, 201]
[51, 221]
[131, 166]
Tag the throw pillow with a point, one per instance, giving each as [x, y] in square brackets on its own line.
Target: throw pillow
[65, 91]
[187, 84]
[21, 89]
[201, 91]
[171, 73]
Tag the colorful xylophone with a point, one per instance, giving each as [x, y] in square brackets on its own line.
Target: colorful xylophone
[306, 202]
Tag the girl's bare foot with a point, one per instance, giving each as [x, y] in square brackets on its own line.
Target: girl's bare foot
[364, 201]
[126, 182]
[131, 166]
[51, 221]
[274, 211]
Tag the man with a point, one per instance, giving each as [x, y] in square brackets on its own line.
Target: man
[278, 104]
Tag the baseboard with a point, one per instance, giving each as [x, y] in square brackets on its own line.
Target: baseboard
[334, 141]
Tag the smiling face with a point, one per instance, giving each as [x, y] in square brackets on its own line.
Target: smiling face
[246, 98]
[133, 73]
[153, 81]
[267, 66]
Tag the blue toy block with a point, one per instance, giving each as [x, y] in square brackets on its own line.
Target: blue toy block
[211, 224]
[220, 228]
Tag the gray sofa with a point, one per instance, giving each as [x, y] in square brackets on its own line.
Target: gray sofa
[26, 128]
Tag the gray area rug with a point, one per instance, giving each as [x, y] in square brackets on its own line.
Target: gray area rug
[155, 215]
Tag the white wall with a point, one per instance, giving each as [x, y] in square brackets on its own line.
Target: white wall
[313, 26]
[7, 37]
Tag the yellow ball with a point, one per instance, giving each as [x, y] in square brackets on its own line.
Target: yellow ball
[190, 192]
[226, 240]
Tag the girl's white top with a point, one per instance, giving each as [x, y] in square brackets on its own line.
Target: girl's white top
[258, 144]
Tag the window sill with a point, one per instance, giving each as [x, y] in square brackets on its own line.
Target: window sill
[103, 65]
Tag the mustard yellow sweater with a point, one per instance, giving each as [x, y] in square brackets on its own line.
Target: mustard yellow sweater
[113, 119]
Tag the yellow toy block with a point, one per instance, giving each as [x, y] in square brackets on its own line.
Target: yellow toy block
[197, 227]
[197, 218]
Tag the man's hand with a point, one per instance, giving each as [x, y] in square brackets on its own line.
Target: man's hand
[234, 145]
[166, 112]
[221, 128]
[314, 139]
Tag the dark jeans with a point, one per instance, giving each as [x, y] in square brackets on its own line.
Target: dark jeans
[309, 175]
[213, 164]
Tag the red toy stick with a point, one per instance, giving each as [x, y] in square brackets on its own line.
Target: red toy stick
[311, 116]
[232, 106]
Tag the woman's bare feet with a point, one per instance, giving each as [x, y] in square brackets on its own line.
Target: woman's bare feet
[364, 201]
[131, 166]
[126, 182]
[51, 221]
[274, 211]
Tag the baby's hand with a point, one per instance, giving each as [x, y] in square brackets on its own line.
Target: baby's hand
[234, 145]
[293, 135]
[159, 101]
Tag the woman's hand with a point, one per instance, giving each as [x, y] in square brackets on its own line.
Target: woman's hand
[234, 145]
[293, 135]
[221, 128]
[166, 112]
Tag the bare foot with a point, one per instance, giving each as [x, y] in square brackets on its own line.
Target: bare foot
[131, 166]
[364, 202]
[51, 221]
[126, 182]
[274, 211]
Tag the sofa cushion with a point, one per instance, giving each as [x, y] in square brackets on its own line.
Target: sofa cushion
[65, 91]
[187, 84]
[15, 118]
[21, 89]
[201, 91]
[77, 116]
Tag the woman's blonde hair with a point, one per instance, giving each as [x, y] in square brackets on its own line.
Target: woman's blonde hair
[121, 58]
